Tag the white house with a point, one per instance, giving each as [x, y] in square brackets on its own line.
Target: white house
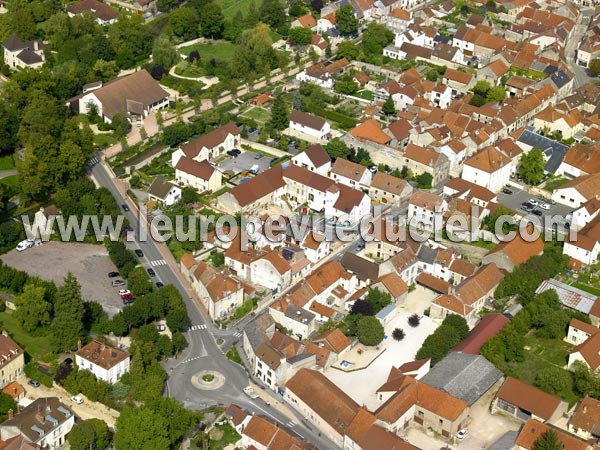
[314, 128]
[578, 192]
[441, 96]
[210, 145]
[579, 332]
[489, 168]
[271, 271]
[200, 175]
[456, 152]
[315, 159]
[104, 14]
[106, 363]
[350, 173]
[425, 210]
[20, 54]
[583, 215]
[164, 192]
[45, 422]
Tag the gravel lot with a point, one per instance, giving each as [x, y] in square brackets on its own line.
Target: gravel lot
[89, 263]
[244, 163]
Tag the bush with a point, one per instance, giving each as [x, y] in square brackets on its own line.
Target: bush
[398, 334]
[437, 345]
[459, 323]
[369, 331]
[414, 320]
[32, 371]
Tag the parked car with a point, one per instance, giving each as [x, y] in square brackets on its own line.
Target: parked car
[249, 391]
[462, 434]
[24, 245]
[254, 169]
[129, 300]
[537, 212]
[544, 206]
[139, 253]
[507, 191]
[77, 399]
[124, 291]
[151, 272]
[159, 284]
[113, 274]
[126, 296]
[234, 153]
[373, 169]
[533, 201]
[125, 207]
[116, 283]
[34, 383]
[257, 156]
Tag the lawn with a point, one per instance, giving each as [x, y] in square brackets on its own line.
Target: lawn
[38, 347]
[103, 140]
[222, 436]
[10, 181]
[220, 50]
[7, 162]
[367, 95]
[231, 7]
[259, 115]
[554, 184]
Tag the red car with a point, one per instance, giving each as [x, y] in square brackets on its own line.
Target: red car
[127, 296]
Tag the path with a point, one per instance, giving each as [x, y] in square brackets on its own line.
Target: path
[7, 173]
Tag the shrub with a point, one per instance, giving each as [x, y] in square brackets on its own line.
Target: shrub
[414, 320]
[398, 334]
[369, 331]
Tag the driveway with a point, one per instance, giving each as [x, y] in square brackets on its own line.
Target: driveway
[245, 162]
[89, 263]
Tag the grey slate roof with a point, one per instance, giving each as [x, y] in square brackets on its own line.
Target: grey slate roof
[505, 442]
[427, 254]
[362, 268]
[554, 151]
[560, 78]
[464, 376]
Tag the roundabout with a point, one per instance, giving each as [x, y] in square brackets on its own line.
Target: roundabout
[208, 380]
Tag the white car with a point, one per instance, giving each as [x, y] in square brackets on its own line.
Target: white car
[77, 399]
[24, 245]
[124, 291]
[533, 201]
[544, 206]
[249, 391]
[462, 434]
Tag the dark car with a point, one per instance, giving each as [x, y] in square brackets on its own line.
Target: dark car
[34, 383]
[151, 272]
[159, 284]
[125, 207]
[139, 252]
[507, 191]
[113, 274]
[257, 156]
[128, 301]
[234, 153]
[537, 212]
[251, 130]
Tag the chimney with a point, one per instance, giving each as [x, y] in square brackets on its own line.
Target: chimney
[4, 333]
[78, 344]
[584, 409]
[39, 416]
[10, 414]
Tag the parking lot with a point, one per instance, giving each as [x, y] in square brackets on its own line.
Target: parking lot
[514, 201]
[89, 263]
[244, 163]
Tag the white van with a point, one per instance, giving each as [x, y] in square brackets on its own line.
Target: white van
[254, 169]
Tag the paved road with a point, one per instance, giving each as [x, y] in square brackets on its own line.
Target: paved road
[581, 76]
[203, 353]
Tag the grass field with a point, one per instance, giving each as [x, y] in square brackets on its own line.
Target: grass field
[220, 50]
[37, 347]
[231, 7]
[10, 181]
[7, 162]
[555, 184]
[261, 116]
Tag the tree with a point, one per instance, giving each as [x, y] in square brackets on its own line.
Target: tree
[212, 21]
[91, 434]
[586, 381]
[177, 319]
[369, 331]
[363, 308]
[594, 66]
[489, 223]
[336, 148]
[378, 299]
[252, 17]
[481, 88]
[346, 20]
[139, 282]
[184, 22]
[141, 428]
[414, 320]
[552, 380]
[121, 125]
[300, 36]
[6, 403]
[548, 440]
[280, 113]
[398, 334]
[164, 52]
[67, 327]
[496, 94]
[272, 12]
[532, 166]
[459, 323]
[33, 310]
[375, 38]
[348, 50]
[424, 180]
[389, 108]
[438, 344]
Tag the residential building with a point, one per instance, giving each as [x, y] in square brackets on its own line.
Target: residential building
[164, 192]
[44, 422]
[350, 173]
[487, 328]
[105, 362]
[585, 421]
[489, 168]
[424, 160]
[526, 402]
[579, 332]
[583, 215]
[305, 21]
[580, 160]
[588, 353]
[533, 429]
[104, 14]
[315, 159]
[513, 252]
[199, 175]
[19, 54]
[134, 96]
[12, 362]
[210, 145]
[388, 189]
[426, 210]
[262, 434]
[311, 127]
[585, 246]
[578, 192]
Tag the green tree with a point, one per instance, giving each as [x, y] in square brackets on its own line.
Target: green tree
[336, 148]
[164, 51]
[139, 282]
[378, 299]
[388, 107]
[272, 12]
[553, 380]
[548, 440]
[67, 327]
[459, 323]
[348, 50]
[532, 166]
[121, 125]
[6, 404]
[496, 94]
[369, 330]
[252, 16]
[425, 180]
[179, 420]
[346, 20]
[212, 21]
[594, 66]
[482, 88]
[300, 36]
[184, 22]
[438, 344]
[33, 311]
[398, 334]
[91, 434]
[586, 381]
[375, 38]
[489, 223]
[280, 113]
[141, 428]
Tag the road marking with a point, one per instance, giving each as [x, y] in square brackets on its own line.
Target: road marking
[94, 161]
[198, 327]
[238, 334]
[291, 424]
[158, 262]
[192, 359]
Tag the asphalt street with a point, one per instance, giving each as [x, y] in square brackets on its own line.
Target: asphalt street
[202, 353]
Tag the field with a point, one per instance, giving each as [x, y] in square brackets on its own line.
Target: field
[38, 347]
[7, 162]
[10, 181]
[220, 50]
[231, 7]
[259, 115]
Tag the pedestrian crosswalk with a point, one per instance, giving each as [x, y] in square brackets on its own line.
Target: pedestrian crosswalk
[291, 424]
[94, 160]
[198, 327]
[237, 334]
[158, 262]
[192, 359]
